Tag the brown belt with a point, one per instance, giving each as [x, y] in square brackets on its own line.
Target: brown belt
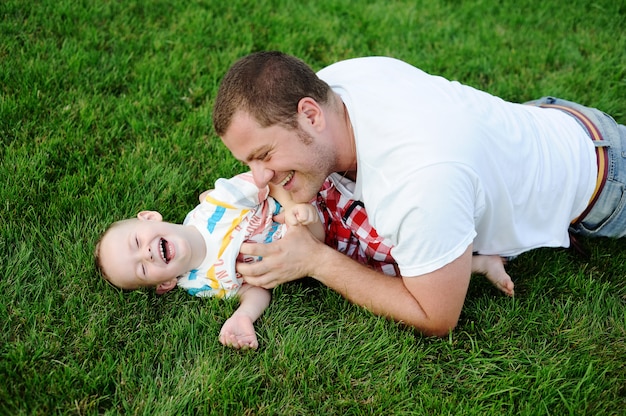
[602, 155]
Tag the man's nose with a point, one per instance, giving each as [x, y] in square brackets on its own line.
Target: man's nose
[261, 175]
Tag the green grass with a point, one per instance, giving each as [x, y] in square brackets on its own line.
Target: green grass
[105, 110]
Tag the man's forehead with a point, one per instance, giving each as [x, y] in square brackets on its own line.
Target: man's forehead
[242, 137]
[243, 122]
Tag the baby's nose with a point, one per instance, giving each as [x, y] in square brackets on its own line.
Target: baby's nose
[149, 254]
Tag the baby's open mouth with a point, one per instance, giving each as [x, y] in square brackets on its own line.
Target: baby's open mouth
[166, 250]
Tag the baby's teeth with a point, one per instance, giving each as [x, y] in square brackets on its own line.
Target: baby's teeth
[162, 246]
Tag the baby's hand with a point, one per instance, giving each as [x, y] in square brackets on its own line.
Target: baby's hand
[238, 332]
[301, 214]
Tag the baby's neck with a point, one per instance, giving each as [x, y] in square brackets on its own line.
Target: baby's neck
[198, 246]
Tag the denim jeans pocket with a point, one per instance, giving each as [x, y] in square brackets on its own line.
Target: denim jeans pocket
[608, 216]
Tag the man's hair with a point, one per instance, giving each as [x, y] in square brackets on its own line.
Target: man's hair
[268, 86]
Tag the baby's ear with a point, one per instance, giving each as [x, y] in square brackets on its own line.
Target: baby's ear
[166, 286]
[150, 216]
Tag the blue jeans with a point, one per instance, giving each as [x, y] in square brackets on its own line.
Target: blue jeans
[607, 218]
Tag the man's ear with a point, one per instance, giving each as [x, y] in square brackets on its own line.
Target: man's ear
[166, 286]
[150, 216]
[312, 111]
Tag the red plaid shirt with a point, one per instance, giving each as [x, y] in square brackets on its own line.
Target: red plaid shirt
[349, 231]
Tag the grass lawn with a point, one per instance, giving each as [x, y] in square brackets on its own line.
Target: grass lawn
[105, 110]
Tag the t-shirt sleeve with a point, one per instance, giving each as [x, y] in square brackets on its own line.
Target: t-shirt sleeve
[431, 217]
[239, 191]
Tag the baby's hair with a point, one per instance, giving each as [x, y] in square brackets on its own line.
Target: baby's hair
[97, 257]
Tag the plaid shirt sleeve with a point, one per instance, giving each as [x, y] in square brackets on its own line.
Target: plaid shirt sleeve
[349, 231]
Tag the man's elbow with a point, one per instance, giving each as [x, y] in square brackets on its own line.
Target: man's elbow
[441, 332]
[435, 328]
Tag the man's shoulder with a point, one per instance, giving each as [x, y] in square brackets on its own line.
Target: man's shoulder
[360, 64]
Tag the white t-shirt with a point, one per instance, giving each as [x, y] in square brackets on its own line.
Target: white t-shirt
[442, 165]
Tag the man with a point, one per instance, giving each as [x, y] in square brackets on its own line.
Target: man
[444, 171]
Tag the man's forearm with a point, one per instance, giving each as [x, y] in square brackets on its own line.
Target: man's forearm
[381, 294]
[431, 303]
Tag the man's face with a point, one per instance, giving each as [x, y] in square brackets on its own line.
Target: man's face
[291, 158]
[138, 253]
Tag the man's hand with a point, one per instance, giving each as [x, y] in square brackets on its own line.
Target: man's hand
[282, 261]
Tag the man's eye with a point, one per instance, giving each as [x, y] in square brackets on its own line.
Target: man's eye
[137, 242]
[143, 270]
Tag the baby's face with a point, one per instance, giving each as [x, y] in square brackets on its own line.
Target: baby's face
[138, 253]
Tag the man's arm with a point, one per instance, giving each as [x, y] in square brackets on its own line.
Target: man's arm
[431, 303]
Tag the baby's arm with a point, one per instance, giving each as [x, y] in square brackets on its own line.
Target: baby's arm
[203, 195]
[298, 214]
[305, 214]
[238, 330]
[493, 268]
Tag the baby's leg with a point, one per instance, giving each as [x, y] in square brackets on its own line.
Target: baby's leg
[493, 268]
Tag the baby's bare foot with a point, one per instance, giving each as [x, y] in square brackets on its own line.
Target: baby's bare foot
[506, 285]
[493, 268]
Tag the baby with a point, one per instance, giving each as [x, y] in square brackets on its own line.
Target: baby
[200, 254]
